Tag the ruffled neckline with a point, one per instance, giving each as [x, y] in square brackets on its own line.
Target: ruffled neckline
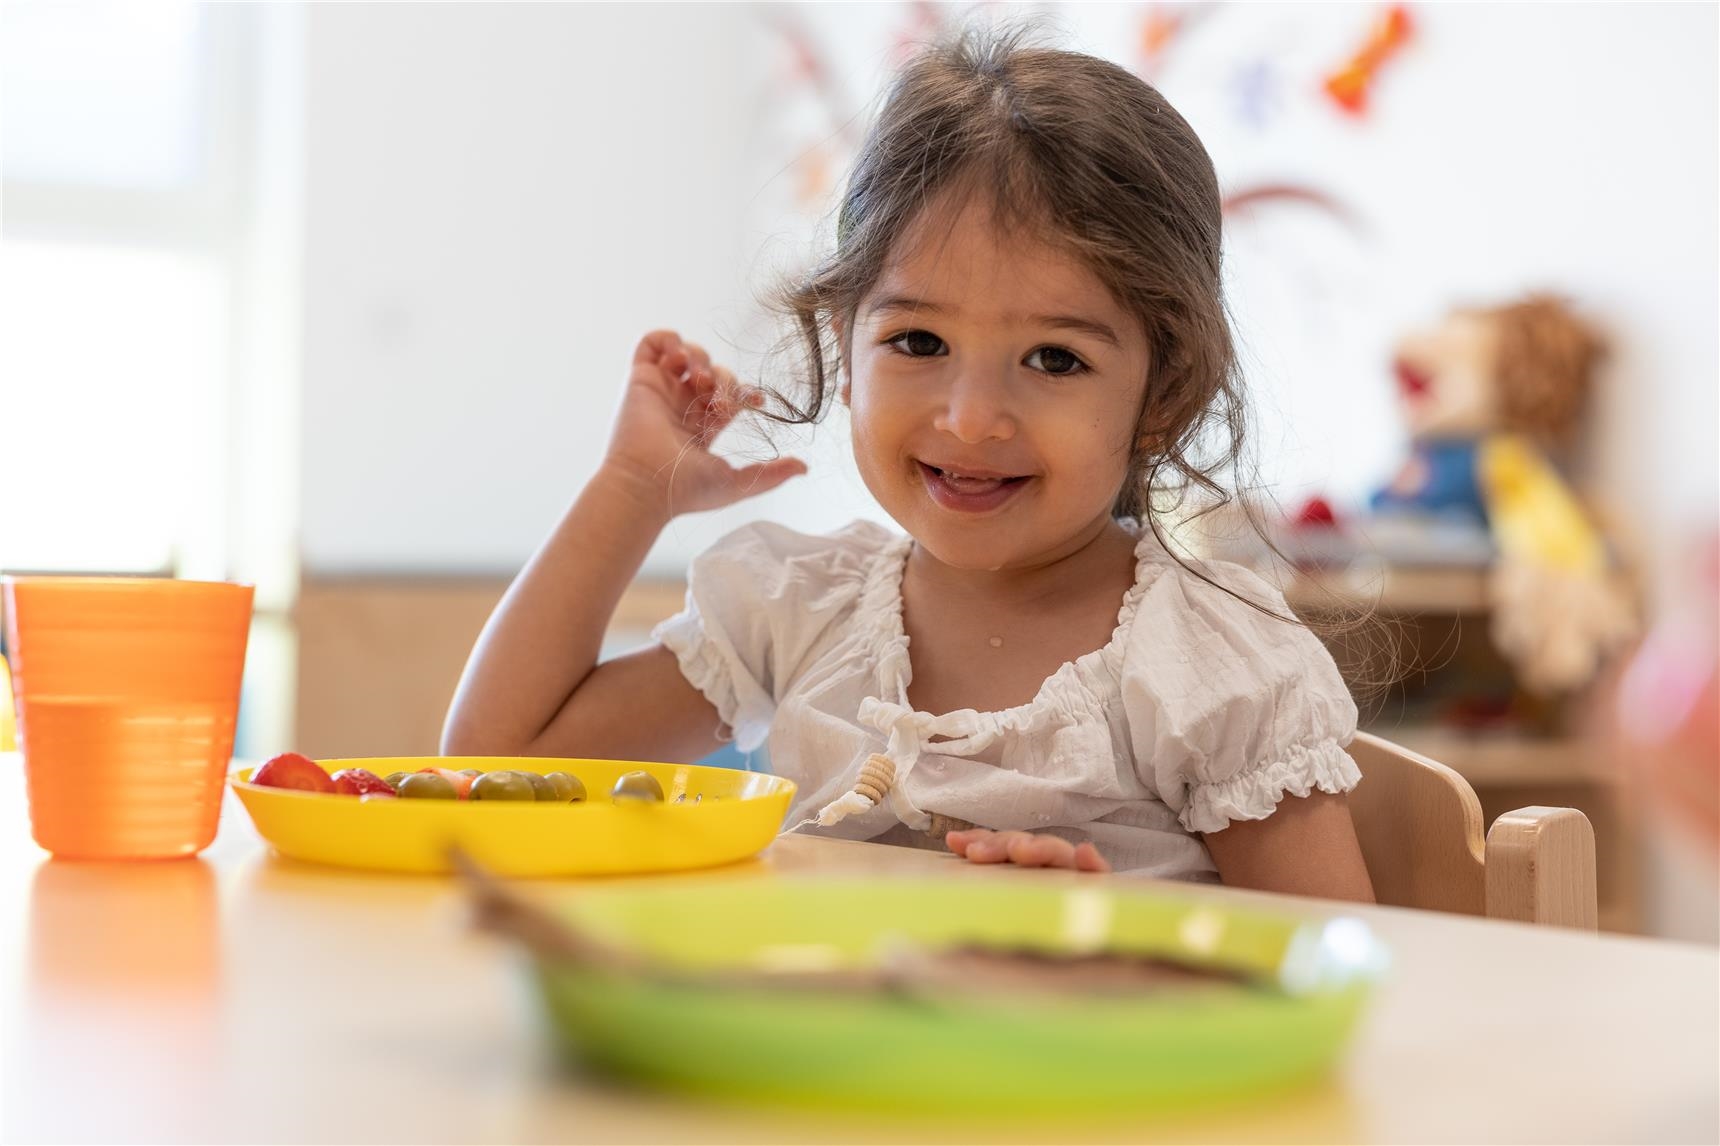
[881, 607]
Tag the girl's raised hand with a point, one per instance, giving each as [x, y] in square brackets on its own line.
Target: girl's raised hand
[1025, 849]
[677, 401]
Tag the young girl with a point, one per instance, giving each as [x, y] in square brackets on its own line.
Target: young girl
[1023, 314]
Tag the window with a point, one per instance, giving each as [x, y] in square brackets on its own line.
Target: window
[149, 218]
[120, 217]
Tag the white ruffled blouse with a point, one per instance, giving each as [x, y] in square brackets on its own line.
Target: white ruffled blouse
[1198, 711]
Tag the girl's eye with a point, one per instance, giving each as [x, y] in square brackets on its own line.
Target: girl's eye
[1056, 360]
[917, 343]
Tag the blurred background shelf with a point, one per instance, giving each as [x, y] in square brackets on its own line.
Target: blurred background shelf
[1453, 698]
[1509, 759]
[1419, 590]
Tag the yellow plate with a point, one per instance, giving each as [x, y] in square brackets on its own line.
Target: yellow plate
[709, 816]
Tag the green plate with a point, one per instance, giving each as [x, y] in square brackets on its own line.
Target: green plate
[955, 1052]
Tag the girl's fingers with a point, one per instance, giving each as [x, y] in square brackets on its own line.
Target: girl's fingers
[1087, 858]
[677, 365]
[726, 399]
[720, 379]
[705, 383]
[1025, 849]
[962, 843]
[750, 481]
[958, 841]
[992, 847]
[655, 345]
[679, 360]
[1041, 851]
[699, 414]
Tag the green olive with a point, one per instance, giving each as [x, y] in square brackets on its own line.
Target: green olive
[472, 772]
[502, 786]
[426, 786]
[541, 787]
[568, 788]
[393, 779]
[637, 786]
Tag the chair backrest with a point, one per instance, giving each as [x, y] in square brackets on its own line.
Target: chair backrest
[1421, 829]
[1424, 839]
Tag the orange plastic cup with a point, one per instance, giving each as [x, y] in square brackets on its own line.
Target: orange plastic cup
[128, 695]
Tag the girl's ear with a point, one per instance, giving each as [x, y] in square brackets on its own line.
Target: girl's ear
[847, 389]
[1151, 433]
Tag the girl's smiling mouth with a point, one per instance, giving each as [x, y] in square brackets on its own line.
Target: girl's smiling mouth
[970, 489]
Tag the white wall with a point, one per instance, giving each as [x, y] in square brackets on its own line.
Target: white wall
[1507, 148]
[499, 200]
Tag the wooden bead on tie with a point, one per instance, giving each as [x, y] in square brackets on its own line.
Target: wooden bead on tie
[879, 772]
[877, 777]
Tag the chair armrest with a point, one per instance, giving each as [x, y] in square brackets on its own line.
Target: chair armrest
[1541, 868]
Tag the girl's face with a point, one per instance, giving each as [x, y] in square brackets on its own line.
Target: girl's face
[995, 386]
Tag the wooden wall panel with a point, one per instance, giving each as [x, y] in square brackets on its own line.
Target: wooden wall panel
[378, 657]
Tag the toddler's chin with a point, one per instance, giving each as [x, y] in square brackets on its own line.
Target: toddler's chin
[981, 551]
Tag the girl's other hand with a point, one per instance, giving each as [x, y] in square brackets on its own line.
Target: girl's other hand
[1025, 849]
[676, 403]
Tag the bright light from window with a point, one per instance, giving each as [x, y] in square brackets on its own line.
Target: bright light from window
[101, 93]
[112, 419]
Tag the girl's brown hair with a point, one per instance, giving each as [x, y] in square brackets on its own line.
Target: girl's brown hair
[1085, 154]
[1091, 159]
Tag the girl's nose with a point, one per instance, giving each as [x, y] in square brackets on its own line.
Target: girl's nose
[976, 410]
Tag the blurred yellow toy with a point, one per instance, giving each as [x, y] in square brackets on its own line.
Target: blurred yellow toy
[1488, 394]
[1557, 611]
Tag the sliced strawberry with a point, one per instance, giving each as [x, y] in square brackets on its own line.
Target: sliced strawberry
[360, 782]
[290, 770]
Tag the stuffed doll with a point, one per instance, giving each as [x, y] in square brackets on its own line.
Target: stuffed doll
[1491, 395]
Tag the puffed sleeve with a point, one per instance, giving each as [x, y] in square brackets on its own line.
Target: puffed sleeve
[1230, 709]
[757, 602]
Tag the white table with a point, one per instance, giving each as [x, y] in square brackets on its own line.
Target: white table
[244, 998]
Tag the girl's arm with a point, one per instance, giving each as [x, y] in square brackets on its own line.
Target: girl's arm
[533, 686]
[1307, 846]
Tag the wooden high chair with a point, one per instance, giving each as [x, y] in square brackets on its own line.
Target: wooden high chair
[1420, 827]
